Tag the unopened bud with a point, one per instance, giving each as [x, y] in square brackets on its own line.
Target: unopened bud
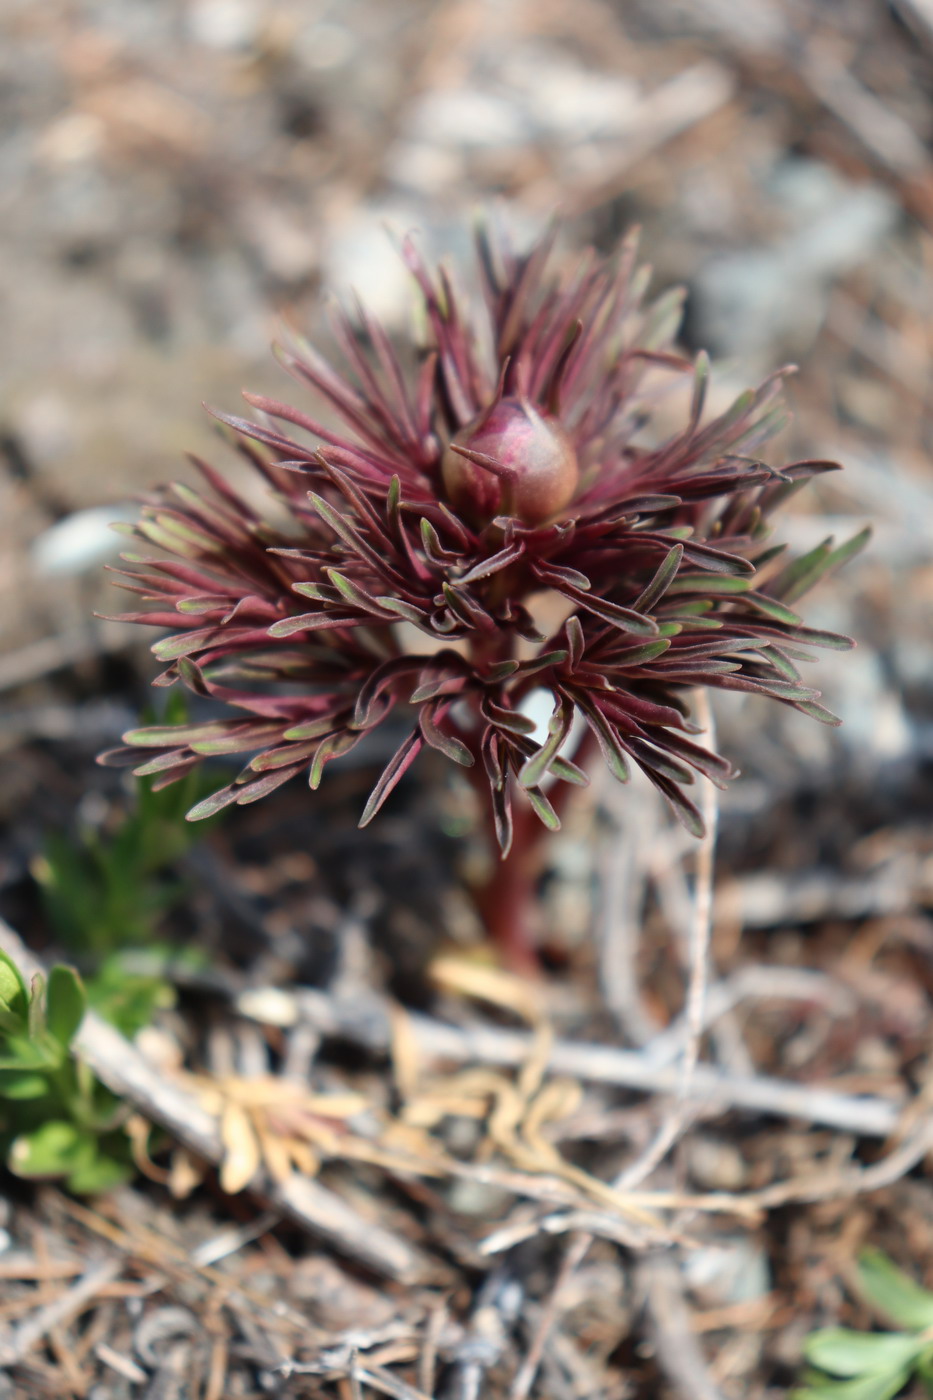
[532, 471]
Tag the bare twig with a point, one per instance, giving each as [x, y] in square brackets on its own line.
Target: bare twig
[387, 1383]
[497, 1308]
[682, 102]
[525, 1376]
[701, 924]
[124, 1365]
[920, 11]
[52, 654]
[127, 1073]
[366, 1021]
[591, 1222]
[766, 899]
[68, 1303]
[232, 1239]
[427, 1357]
[755, 982]
[678, 1352]
[623, 882]
[877, 127]
[853, 1180]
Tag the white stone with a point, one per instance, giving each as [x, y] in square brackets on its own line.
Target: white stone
[80, 541]
[468, 118]
[224, 24]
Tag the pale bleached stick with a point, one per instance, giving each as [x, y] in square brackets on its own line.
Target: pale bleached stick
[365, 1021]
[679, 1354]
[61, 1309]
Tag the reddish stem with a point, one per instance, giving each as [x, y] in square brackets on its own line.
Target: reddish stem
[506, 902]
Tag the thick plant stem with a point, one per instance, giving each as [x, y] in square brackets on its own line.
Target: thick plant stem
[507, 901]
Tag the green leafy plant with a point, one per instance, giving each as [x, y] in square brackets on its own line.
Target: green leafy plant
[849, 1365]
[107, 893]
[111, 890]
[129, 998]
[57, 1122]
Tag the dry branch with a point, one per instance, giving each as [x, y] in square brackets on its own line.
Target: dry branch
[678, 1352]
[62, 1308]
[366, 1021]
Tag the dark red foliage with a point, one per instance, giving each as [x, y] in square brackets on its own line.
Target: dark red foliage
[403, 561]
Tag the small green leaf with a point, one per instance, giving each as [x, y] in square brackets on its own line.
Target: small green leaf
[65, 1002]
[801, 575]
[543, 809]
[394, 496]
[818, 712]
[693, 609]
[355, 596]
[101, 1174]
[558, 729]
[780, 663]
[880, 1386]
[403, 609]
[893, 1292]
[770, 607]
[169, 735]
[700, 385]
[22, 1084]
[208, 806]
[846, 1353]
[534, 664]
[563, 768]
[311, 729]
[331, 747]
[447, 744]
[708, 583]
[607, 738]
[834, 641]
[181, 643]
[640, 656]
[662, 320]
[129, 998]
[53, 1150]
[924, 1369]
[14, 999]
[661, 581]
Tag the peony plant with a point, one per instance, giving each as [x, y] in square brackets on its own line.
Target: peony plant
[497, 512]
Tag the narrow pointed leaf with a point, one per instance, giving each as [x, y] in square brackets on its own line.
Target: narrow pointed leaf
[393, 773]
[543, 809]
[661, 582]
[446, 744]
[558, 730]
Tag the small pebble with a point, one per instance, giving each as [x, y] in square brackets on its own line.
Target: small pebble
[715, 1165]
[734, 1269]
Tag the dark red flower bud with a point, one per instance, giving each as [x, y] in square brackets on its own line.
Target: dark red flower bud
[512, 460]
